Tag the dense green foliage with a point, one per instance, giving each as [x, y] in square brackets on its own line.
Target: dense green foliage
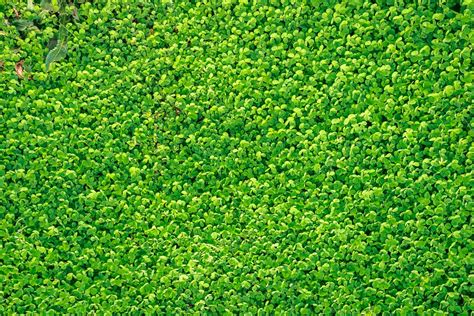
[299, 157]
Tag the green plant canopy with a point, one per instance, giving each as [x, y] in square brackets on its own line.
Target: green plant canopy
[252, 157]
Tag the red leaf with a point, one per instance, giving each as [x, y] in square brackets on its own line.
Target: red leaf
[19, 69]
[75, 15]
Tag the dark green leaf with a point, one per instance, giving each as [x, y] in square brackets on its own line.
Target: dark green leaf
[56, 54]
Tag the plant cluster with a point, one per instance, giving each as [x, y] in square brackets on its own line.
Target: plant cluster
[238, 157]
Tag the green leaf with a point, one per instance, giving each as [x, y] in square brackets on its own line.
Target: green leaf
[55, 5]
[56, 54]
[30, 5]
[23, 25]
[62, 34]
[46, 5]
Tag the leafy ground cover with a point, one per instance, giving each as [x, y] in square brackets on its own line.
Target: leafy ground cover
[299, 157]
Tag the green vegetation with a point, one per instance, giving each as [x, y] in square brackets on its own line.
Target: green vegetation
[251, 158]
